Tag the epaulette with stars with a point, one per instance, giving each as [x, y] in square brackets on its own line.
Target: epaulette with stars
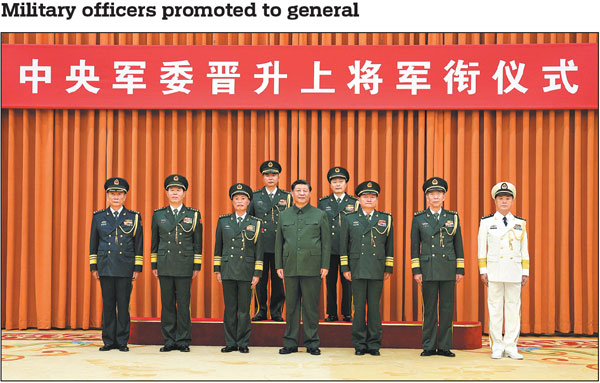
[384, 212]
[487, 216]
[192, 209]
[161, 208]
[257, 190]
[452, 211]
[324, 198]
[419, 212]
[99, 211]
[522, 219]
[225, 215]
[256, 218]
[133, 211]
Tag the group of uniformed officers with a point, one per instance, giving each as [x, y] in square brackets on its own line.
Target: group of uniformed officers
[279, 236]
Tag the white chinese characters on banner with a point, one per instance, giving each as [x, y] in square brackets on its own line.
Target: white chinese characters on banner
[82, 74]
[177, 74]
[367, 76]
[317, 73]
[409, 75]
[223, 74]
[562, 70]
[266, 76]
[126, 75]
[35, 74]
[513, 80]
[461, 75]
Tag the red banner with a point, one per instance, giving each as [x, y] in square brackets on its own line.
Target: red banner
[528, 76]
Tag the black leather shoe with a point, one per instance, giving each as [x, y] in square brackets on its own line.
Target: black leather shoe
[359, 352]
[313, 351]
[428, 352]
[167, 348]
[288, 350]
[259, 317]
[331, 318]
[347, 318]
[244, 350]
[446, 353]
[229, 348]
[277, 319]
[374, 352]
[184, 348]
[106, 348]
[123, 348]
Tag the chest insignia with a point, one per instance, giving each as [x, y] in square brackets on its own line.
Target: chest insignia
[350, 208]
[355, 223]
[328, 208]
[226, 227]
[251, 228]
[518, 227]
[103, 223]
[493, 227]
[187, 220]
[449, 223]
[163, 220]
[282, 202]
[381, 223]
[128, 222]
[259, 202]
[425, 224]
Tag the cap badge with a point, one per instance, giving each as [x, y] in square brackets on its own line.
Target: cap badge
[369, 185]
[270, 164]
[434, 182]
[239, 187]
[337, 170]
[116, 182]
[175, 178]
[504, 186]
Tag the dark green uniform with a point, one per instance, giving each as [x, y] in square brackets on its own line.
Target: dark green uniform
[302, 249]
[437, 253]
[176, 253]
[367, 251]
[116, 250]
[334, 212]
[238, 257]
[268, 211]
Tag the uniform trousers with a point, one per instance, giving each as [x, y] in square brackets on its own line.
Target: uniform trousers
[303, 291]
[434, 293]
[332, 278]
[507, 296]
[236, 319]
[116, 292]
[175, 317]
[277, 293]
[366, 335]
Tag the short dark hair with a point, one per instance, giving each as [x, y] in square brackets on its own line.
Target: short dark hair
[301, 182]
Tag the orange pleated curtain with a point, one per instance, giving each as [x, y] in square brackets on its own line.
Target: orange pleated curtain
[54, 164]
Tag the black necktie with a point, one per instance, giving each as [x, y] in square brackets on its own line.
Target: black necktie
[239, 221]
[505, 221]
[436, 215]
[116, 214]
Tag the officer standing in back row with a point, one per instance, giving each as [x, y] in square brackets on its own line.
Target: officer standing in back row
[176, 256]
[335, 205]
[437, 261]
[266, 204]
[116, 250]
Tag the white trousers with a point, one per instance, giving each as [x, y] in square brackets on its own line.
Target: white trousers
[507, 296]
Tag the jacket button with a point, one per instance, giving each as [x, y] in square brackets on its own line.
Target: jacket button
[109, 244]
[240, 257]
[432, 245]
[433, 255]
[121, 244]
[332, 234]
[231, 255]
[168, 251]
[232, 239]
[232, 247]
[444, 255]
[433, 236]
[180, 243]
[108, 251]
[333, 227]
[169, 233]
[179, 251]
[121, 235]
[120, 252]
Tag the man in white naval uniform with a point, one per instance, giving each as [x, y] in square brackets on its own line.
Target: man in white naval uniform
[504, 268]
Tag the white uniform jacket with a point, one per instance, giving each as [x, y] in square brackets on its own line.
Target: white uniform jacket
[502, 250]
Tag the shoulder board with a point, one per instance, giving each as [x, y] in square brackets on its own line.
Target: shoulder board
[99, 211]
[384, 212]
[192, 209]
[253, 217]
[257, 190]
[452, 212]
[161, 208]
[224, 215]
[285, 191]
[522, 219]
[135, 212]
[419, 212]
[353, 198]
[324, 198]
[349, 213]
[488, 216]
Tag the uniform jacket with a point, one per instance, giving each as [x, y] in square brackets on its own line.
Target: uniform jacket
[268, 211]
[436, 248]
[238, 248]
[176, 243]
[334, 212]
[303, 242]
[502, 250]
[367, 247]
[116, 246]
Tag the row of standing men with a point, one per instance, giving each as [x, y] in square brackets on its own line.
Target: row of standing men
[277, 235]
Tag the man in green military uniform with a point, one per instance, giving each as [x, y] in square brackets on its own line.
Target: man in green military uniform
[266, 204]
[437, 261]
[302, 250]
[176, 260]
[116, 250]
[238, 264]
[335, 205]
[367, 259]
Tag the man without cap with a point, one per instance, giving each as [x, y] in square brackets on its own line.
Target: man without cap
[437, 262]
[176, 256]
[335, 205]
[267, 203]
[367, 258]
[238, 265]
[504, 268]
[116, 250]
[302, 250]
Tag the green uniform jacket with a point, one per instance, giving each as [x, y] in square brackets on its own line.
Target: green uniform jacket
[268, 211]
[116, 246]
[303, 242]
[176, 249]
[334, 212]
[367, 247]
[238, 248]
[436, 248]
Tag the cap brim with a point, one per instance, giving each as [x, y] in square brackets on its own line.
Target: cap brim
[368, 191]
[435, 188]
[337, 176]
[175, 184]
[504, 192]
[116, 188]
[240, 192]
